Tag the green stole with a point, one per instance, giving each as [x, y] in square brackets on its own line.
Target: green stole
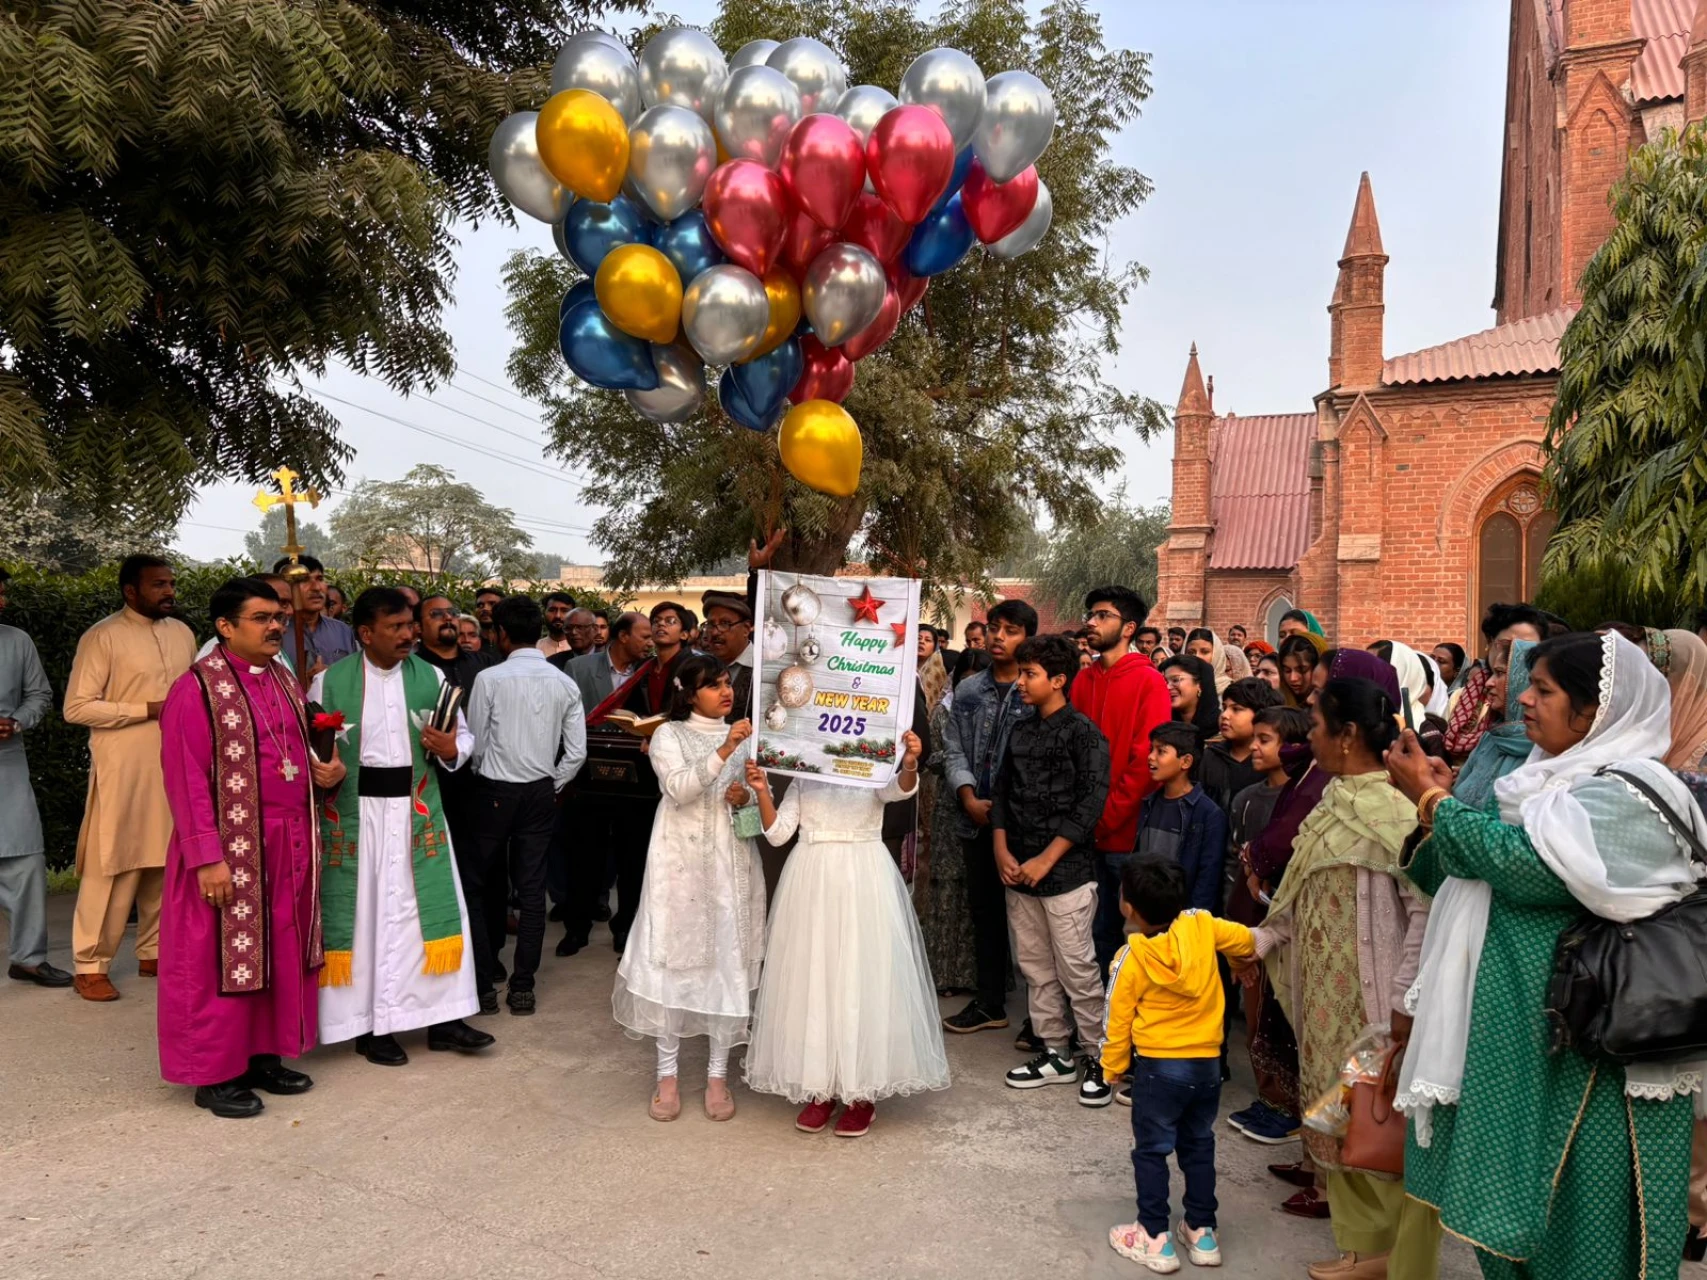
[342, 690]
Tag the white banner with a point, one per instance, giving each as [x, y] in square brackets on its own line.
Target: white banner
[833, 687]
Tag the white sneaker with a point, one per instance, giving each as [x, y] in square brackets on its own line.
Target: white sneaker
[1047, 1067]
[1156, 1253]
[1200, 1245]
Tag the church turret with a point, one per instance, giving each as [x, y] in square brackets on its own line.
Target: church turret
[1185, 554]
[1359, 307]
[1695, 68]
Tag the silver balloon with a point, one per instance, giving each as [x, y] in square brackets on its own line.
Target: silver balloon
[671, 153]
[513, 158]
[1018, 121]
[842, 292]
[814, 70]
[862, 107]
[681, 386]
[752, 54]
[725, 312]
[683, 67]
[948, 82]
[758, 108]
[1025, 237]
[596, 61]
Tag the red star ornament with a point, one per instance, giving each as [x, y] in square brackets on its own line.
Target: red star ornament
[900, 630]
[865, 606]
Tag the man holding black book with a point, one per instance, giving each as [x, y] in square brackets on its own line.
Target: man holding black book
[530, 740]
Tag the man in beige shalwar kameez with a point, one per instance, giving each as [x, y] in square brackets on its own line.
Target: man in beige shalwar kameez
[124, 666]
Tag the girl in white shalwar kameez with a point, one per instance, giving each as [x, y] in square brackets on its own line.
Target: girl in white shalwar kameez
[693, 956]
[847, 1010]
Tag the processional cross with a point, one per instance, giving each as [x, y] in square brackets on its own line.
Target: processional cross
[294, 572]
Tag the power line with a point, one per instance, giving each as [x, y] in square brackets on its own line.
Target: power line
[496, 386]
[531, 417]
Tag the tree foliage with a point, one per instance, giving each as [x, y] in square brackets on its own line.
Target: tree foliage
[1119, 548]
[53, 530]
[263, 545]
[200, 200]
[987, 407]
[1627, 440]
[431, 523]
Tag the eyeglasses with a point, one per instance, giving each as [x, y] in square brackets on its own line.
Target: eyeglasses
[710, 625]
[1102, 615]
[265, 619]
[441, 613]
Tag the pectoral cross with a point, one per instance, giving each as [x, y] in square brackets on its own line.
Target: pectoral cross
[295, 571]
[289, 769]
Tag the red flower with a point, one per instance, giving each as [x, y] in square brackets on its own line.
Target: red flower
[328, 719]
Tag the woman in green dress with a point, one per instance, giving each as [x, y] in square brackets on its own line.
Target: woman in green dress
[1553, 1167]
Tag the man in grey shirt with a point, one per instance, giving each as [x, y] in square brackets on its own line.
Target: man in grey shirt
[522, 712]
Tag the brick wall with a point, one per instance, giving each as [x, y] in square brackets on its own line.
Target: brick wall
[1527, 265]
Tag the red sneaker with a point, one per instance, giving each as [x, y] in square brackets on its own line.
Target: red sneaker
[856, 1120]
[816, 1117]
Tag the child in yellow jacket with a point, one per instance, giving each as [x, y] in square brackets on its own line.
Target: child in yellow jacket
[1164, 1024]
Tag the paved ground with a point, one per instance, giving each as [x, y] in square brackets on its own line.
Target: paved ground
[539, 1161]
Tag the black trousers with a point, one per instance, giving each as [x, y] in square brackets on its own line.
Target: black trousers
[606, 829]
[988, 900]
[512, 834]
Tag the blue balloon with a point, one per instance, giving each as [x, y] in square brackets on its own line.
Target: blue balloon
[962, 167]
[579, 292]
[601, 354]
[591, 230]
[736, 406]
[687, 243]
[765, 381]
[940, 241]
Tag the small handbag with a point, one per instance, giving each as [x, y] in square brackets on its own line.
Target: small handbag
[1374, 1140]
[1634, 991]
[748, 822]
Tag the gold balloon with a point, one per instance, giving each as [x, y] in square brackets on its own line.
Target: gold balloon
[821, 448]
[641, 293]
[784, 295]
[584, 143]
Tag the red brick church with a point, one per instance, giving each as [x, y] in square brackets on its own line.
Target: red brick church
[1408, 498]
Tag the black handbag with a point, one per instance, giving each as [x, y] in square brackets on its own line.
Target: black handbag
[1634, 991]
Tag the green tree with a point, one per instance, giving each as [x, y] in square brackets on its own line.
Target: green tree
[428, 522]
[54, 531]
[1627, 440]
[1119, 548]
[200, 200]
[262, 546]
[987, 406]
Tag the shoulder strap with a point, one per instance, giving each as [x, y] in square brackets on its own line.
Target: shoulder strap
[1682, 828]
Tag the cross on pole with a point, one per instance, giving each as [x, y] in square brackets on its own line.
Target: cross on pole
[288, 496]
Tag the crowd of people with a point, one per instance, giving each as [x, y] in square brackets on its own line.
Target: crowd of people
[330, 820]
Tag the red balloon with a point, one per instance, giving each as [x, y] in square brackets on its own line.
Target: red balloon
[823, 166]
[803, 241]
[873, 225]
[910, 156]
[746, 207]
[879, 331]
[909, 286]
[997, 208]
[829, 374]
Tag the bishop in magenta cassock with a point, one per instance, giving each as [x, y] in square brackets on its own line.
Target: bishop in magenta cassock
[240, 945]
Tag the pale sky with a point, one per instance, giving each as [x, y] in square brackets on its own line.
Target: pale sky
[1263, 115]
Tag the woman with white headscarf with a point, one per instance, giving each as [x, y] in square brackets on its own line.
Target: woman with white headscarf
[1554, 1168]
[1227, 661]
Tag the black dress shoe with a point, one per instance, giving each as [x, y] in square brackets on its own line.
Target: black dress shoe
[229, 1101]
[43, 975]
[618, 941]
[266, 1072]
[457, 1035]
[570, 943]
[488, 1002]
[382, 1051]
[521, 1003]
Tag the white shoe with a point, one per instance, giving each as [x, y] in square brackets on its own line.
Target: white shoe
[1047, 1067]
[1200, 1245]
[1156, 1253]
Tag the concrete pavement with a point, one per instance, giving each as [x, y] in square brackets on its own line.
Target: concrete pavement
[537, 1159]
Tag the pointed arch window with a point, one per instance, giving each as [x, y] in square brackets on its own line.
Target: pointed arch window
[1511, 538]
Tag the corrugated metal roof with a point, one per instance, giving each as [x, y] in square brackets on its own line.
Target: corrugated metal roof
[1658, 71]
[1259, 490]
[1523, 346]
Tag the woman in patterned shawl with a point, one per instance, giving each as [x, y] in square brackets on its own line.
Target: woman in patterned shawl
[1592, 1160]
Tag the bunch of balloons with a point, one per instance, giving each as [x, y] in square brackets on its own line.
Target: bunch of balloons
[758, 214]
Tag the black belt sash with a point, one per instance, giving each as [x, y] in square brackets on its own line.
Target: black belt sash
[385, 782]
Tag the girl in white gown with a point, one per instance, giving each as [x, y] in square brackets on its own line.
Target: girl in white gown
[693, 956]
[846, 1010]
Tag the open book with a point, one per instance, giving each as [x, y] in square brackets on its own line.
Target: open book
[629, 722]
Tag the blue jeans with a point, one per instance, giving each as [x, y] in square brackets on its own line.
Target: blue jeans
[1108, 929]
[1174, 1105]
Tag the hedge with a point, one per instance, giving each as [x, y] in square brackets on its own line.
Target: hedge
[57, 608]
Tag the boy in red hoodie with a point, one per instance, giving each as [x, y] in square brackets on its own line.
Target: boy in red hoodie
[1126, 697]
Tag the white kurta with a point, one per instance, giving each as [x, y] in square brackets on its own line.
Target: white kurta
[388, 992]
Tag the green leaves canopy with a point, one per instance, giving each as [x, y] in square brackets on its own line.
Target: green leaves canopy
[428, 521]
[987, 407]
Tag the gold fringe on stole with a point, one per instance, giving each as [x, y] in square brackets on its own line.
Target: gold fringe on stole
[443, 955]
[336, 971]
